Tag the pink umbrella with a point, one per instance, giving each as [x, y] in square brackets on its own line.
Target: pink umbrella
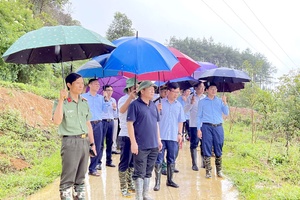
[185, 67]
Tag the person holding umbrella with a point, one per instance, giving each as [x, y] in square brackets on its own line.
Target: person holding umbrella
[98, 106]
[126, 160]
[143, 131]
[191, 107]
[209, 126]
[172, 118]
[71, 112]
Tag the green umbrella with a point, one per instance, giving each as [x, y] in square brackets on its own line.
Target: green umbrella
[54, 44]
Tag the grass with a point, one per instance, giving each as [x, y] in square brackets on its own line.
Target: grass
[38, 148]
[257, 171]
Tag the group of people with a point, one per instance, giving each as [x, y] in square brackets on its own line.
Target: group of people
[151, 132]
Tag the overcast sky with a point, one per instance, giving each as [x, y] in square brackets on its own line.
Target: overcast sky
[240, 24]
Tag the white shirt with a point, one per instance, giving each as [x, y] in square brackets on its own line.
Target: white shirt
[123, 116]
[193, 108]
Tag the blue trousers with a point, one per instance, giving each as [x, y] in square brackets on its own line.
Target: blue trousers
[212, 137]
[172, 152]
[98, 138]
[194, 140]
[108, 128]
[126, 159]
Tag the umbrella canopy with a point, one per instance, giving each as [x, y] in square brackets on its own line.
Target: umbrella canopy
[224, 74]
[183, 82]
[139, 55]
[118, 84]
[185, 67]
[93, 68]
[54, 44]
[204, 66]
[229, 87]
[224, 77]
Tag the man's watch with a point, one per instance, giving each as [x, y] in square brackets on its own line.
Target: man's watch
[180, 134]
[92, 144]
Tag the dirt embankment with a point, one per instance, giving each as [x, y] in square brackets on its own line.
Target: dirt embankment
[35, 110]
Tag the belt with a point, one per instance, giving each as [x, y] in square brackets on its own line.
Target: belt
[77, 136]
[116, 118]
[95, 122]
[214, 125]
[107, 120]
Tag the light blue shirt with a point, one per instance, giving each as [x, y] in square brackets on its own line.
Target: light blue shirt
[187, 114]
[172, 114]
[111, 113]
[193, 108]
[210, 111]
[97, 105]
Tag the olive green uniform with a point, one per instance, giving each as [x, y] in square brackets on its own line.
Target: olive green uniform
[75, 146]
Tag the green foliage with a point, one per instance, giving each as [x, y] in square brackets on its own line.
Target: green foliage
[37, 147]
[46, 91]
[121, 26]
[255, 173]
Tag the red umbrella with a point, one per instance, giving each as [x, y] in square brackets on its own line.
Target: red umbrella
[185, 67]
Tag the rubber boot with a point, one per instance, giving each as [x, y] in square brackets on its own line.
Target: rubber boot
[194, 159]
[175, 170]
[157, 177]
[139, 183]
[218, 163]
[170, 172]
[207, 167]
[130, 182]
[79, 193]
[123, 184]
[66, 194]
[202, 162]
[146, 189]
[164, 168]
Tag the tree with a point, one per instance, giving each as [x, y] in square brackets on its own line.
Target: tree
[121, 26]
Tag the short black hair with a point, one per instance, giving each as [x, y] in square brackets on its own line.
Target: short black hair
[71, 78]
[172, 85]
[106, 86]
[92, 80]
[208, 84]
[199, 83]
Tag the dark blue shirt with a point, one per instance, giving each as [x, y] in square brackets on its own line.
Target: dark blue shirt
[144, 118]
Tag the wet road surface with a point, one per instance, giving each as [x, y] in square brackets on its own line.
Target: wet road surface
[192, 185]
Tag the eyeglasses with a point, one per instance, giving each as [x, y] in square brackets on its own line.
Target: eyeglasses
[108, 90]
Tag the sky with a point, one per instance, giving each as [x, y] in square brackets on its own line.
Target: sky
[267, 27]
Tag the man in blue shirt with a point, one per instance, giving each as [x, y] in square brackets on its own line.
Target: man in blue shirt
[108, 124]
[97, 107]
[172, 118]
[143, 131]
[209, 126]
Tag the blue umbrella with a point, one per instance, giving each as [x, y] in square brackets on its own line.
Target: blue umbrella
[140, 55]
[226, 77]
[93, 68]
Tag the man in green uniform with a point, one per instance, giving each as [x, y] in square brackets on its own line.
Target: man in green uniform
[72, 114]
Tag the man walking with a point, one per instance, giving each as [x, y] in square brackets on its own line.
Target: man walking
[210, 129]
[143, 130]
[192, 107]
[170, 125]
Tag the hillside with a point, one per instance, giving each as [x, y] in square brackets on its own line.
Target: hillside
[34, 109]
